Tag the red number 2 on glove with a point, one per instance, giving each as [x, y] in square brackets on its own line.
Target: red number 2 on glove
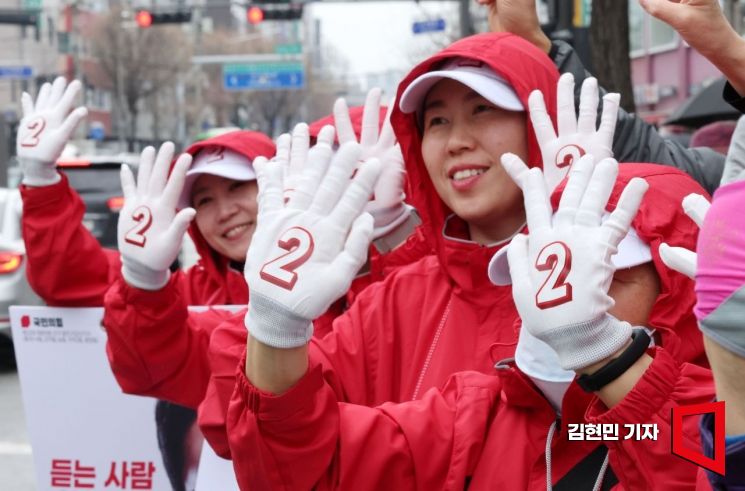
[36, 126]
[281, 271]
[144, 218]
[550, 257]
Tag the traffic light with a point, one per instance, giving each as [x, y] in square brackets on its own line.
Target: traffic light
[255, 15]
[274, 11]
[147, 18]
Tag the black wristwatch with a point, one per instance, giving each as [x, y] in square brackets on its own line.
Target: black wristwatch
[617, 366]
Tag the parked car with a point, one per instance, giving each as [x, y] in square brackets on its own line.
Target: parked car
[14, 288]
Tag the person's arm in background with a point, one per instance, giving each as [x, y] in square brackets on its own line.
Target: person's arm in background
[66, 264]
[634, 140]
[702, 24]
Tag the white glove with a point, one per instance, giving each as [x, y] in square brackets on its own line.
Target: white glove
[292, 154]
[305, 253]
[561, 272]
[150, 231]
[681, 259]
[576, 137]
[387, 205]
[44, 130]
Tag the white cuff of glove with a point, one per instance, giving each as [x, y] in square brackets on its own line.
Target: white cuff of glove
[38, 174]
[272, 324]
[581, 345]
[388, 219]
[142, 277]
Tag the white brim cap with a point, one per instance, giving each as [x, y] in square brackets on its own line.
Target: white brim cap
[632, 251]
[472, 73]
[216, 161]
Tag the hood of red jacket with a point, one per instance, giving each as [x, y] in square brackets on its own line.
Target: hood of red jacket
[250, 144]
[661, 219]
[525, 68]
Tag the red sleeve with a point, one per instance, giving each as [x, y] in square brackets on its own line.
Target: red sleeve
[67, 266]
[664, 385]
[303, 438]
[155, 346]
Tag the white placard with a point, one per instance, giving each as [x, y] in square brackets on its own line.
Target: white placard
[85, 433]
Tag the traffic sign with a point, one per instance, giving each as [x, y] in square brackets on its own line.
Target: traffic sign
[433, 25]
[16, 72]
[263, 76]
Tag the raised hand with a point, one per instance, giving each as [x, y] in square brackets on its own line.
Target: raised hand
[576, 136]
[306, 251]
[45, 129]
[387, 204]
[150, 231]
[518, 17]
[562, 270]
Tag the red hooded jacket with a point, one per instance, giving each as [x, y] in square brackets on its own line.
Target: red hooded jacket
[488, 430]
[67, 267]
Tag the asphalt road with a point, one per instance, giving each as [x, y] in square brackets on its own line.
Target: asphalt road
[16, 465]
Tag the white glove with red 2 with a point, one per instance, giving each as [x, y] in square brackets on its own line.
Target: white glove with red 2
[561, 272]
[44, 130]
[306, 252]
[576, 136]
[150, 231]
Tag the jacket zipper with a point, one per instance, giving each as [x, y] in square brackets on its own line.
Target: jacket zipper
[431, 351]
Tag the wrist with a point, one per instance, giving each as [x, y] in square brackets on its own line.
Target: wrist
[389, 237]
[274, 325]
[142, 277]
[37, 173]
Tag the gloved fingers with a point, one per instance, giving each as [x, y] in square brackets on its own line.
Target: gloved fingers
[588, 106]
[159, 172]
[357, 194]
[679, 259]
[734, 166]
[306, 184]
[515, 168]
[579, 176]
[269, 180]
[326, 136]
[67, 98]
[129, 187]
[179, 225]
[538, 209]
[618, 223]
[71, 122]
[599, 188]
[696, 207]
[387, 136]
[390, 186]
[343, 123]
[175, 183]
[58, 88]
[371, 118]
[542, 125]
[27, 104]
[43, 96]
[282, 155]
[354, 254]
[565, 113]
[147, 157]
[519, 263]
[299, 148]
[337, 178]
[609, 117]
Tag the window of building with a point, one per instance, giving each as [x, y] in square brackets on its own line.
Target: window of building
[648, 35]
